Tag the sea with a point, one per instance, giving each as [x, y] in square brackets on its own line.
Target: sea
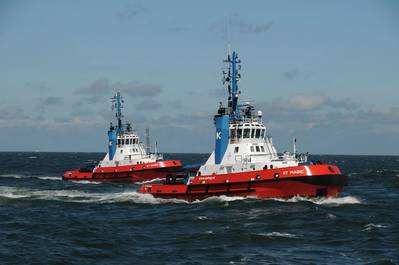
[45, 220]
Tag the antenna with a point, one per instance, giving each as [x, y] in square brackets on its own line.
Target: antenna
[228, 35]
[147, 140]
[231, 77]
[117, 101]
[294, 145]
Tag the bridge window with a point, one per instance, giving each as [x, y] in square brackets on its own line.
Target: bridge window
[257, 133]
[232, 133]
[252, 148]
[257, 149]
[263, 133]
[236, 149]
[262, 148]
[247, 133]
[253, 133]
[119, 141]
[239, 133]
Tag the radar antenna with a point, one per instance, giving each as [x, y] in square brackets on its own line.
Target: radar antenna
[231, 78]
[117, 101]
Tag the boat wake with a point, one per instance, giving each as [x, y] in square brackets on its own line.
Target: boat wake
[82, 196]
[332, 201]
[148, 181]
[222, 198]
[85, 182]
[16, 176]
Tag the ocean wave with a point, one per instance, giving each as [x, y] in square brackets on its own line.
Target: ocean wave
[148, 181]
[12, 176]
[82, 196]
[202, 217]
[324, 200]
[96, 197]
[137, 197]
[277, 234]
[48, 177]
[371, 226]
[222, 198]
[16, 176]
[85, 182]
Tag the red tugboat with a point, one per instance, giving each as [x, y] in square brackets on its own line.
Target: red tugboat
[127, 158]
[245, 162]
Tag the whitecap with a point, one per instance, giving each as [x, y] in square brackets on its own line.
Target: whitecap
[48, 177]
[371, 226]
[323, 200]
[331, 216]
[16, 176]
[222, 198]
[12, 176]
[12, 193]
[202, 217]
[82, 196]
[85, 182]
[277, 234]
[148, 181]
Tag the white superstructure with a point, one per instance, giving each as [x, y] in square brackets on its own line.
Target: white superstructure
[245, 145]
[124, 146]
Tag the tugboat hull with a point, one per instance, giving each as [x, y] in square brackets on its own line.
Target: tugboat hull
[307, 181]
[128, 173]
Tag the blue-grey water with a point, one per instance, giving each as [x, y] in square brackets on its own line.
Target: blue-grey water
[44, 220]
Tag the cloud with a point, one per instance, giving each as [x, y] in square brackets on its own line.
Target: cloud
[103, 86]
[148, 105]
[52, 101]
[11, 113]
[217, 92]
[175, 104]
[99, 86]
[306, 103]
[237, 24]
[191, 120]
[38, 85]
[49, 102]
[319, 112]
[291, 74]
[135, 89]
[132, 10]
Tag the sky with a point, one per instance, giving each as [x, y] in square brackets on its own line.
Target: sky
[325, 72]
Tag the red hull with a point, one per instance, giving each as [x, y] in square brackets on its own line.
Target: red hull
[308, 181]
[129, 173]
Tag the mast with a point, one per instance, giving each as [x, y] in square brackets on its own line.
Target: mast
[113, 132]
[117, 101]
[224, 116]
[231, 77]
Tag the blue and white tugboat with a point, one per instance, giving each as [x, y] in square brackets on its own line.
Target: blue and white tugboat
[127, 158]
[245, 161]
